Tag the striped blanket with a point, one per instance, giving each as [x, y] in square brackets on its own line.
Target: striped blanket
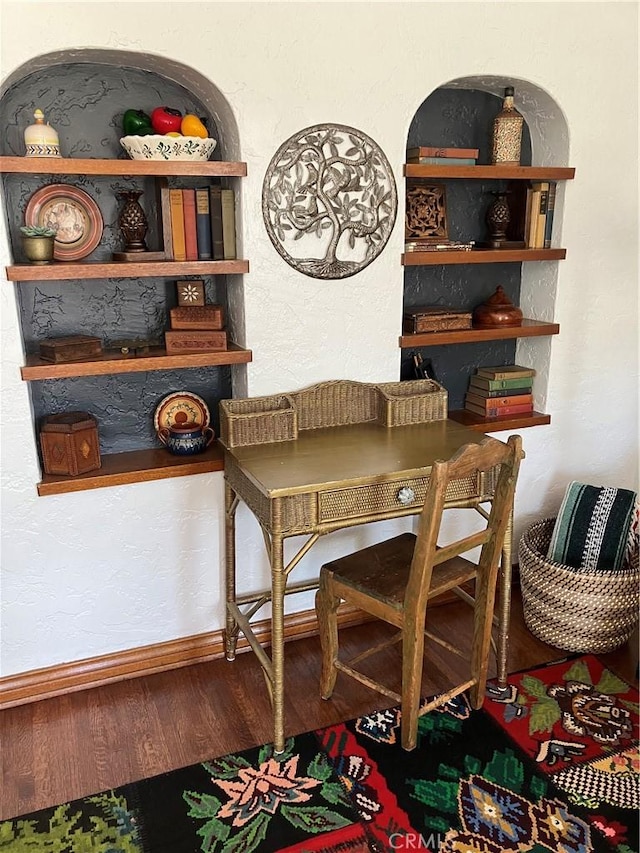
[594, 530]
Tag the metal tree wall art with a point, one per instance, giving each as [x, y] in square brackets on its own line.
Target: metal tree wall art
[329, 201]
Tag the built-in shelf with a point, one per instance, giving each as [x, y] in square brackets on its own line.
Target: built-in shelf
[481, 256]
[497, 173]
[469, 419]
[113, 361]
[60, 271]
[135, 466]
[157, 168]
[528, 329]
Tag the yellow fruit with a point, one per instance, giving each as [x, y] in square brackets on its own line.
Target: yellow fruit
[192, 126]
[173, 133]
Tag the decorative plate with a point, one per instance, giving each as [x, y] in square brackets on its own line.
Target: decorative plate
[73, 213]
[181, 408]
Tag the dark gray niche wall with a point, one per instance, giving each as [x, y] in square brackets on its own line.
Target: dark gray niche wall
[461, 118]
[85, 103]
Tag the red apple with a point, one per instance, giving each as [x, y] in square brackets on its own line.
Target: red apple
[166, 119]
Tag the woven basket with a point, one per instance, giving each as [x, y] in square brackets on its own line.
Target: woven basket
[577, 611]
[257, 420]
[416, 401]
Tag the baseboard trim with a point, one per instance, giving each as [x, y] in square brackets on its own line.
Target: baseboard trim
[85, 674]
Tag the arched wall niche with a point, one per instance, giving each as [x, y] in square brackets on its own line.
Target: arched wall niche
[83, 93]
[200, 87]
[545, 143]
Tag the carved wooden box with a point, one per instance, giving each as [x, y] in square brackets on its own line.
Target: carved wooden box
[195, 341]
[70, 443]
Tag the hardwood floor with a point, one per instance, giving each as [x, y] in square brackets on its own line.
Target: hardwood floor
[71, 746]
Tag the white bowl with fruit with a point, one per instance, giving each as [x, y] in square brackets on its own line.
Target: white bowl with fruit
[166, 135]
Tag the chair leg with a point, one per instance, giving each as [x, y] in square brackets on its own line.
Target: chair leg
[482, 626]
[326, 614]
[412, 663]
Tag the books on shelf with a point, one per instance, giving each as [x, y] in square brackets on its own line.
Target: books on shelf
[198, 224]
[203, 224]
[500, 391]
[177, 225]
[540, 206]
[190, 234]
[500, 402]
[506, 371]
[498, 384]
[498, 411]
[228, 202]
[215, 207]
[431, 151]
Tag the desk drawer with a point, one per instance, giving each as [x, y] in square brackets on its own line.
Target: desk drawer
[385, 498]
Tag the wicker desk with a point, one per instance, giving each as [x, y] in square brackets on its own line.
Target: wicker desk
[328, 479]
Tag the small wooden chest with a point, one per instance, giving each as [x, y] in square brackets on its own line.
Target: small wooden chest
[71, 348]
[70, 443]
[196, 341]
[204, 317]
[435, 318]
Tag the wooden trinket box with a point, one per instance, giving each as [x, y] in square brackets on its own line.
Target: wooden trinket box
[435, 318]
[203, 317]
[69, 443]
[195, 341]
[71, 348]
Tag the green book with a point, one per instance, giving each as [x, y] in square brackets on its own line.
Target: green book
[494, 384]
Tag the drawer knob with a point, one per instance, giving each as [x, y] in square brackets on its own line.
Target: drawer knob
[406, 495]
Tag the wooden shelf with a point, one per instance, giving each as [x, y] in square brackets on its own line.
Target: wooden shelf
[113, 361]
[136, 466]
[528, 329]
[159, 168]
[481, 256]
[59, 271]
[469, 419]
[496, 173]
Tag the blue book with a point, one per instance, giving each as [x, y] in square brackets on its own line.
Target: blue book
[203, 224]
[551, 204]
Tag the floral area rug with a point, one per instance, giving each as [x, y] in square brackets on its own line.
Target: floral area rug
[550, 764]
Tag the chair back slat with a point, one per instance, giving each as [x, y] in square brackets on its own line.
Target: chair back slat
[487, 455]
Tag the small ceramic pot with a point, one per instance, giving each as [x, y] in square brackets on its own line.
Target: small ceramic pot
[186, 439]
[38, 250]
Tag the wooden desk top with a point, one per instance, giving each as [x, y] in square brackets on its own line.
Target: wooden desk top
[329, 458]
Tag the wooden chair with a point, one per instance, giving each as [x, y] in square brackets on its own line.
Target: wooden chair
[395, 579]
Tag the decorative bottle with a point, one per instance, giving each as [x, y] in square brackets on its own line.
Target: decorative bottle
[40, 139]
[507, 133]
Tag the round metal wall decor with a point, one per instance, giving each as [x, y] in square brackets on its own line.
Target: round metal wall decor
[329, 201]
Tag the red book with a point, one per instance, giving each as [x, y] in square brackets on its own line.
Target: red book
[500, 402]
[190, 226]
[498, 411]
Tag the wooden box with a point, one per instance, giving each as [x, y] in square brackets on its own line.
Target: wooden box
[203, 317]
[70, 443]
[195, 341]
[71, 348]
[435, 318]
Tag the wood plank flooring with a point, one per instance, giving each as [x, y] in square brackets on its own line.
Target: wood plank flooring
[72, 746]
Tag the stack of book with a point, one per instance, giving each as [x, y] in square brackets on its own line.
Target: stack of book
[496, 392]
[198, 224]
[430, 156]
[540, 206]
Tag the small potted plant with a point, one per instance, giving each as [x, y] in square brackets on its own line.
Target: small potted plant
[38, 243]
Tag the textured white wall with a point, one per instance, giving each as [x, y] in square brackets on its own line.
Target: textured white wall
[110, 569]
